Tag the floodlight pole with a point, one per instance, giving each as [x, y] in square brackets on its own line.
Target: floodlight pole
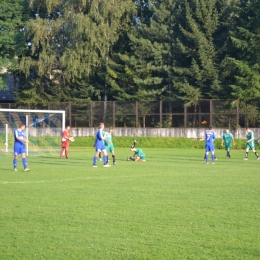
[6, 138]
[27, 134]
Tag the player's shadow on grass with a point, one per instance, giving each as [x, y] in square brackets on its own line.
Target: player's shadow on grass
[7, 170]
[61, 162]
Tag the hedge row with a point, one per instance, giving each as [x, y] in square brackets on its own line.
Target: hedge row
[154, 142]
[142, 142]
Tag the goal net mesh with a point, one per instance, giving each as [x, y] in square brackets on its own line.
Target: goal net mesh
[43, 130]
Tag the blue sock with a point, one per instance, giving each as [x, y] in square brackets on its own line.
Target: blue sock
[24, 163]
[15, 163]
[213, 158]
[207, 158]
[105, 159]
[95, 160]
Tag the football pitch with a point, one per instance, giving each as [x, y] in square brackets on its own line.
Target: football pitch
[174, 206]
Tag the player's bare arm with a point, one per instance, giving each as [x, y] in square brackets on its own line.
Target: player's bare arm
[107, 141]
[22, 139]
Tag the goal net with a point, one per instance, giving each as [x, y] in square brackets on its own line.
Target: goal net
[43, 130]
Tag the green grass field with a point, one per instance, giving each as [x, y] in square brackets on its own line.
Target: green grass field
[174, 206]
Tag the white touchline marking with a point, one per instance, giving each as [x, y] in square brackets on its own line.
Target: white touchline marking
[76, 179]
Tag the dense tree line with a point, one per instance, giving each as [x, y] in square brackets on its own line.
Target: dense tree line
[68, 50]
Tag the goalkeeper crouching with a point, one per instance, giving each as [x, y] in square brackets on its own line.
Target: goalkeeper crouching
[139, 155]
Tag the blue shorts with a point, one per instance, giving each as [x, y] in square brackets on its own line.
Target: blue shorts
[210, 148]
[19, 149]
[100, 148]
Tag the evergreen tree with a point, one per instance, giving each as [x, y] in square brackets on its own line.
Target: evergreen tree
[148, 62]
[244, 63]
[201, 42]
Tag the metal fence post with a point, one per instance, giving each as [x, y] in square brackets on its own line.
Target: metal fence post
[199, 104]
[136, 114]
[114, 114]
[91, 114]
[160, 113]
[211, 112]
[185, 116]
[70, 113]
[238, 123]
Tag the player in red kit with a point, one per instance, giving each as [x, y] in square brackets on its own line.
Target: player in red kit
[65, 142]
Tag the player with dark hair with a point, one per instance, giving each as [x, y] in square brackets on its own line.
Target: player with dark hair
[139, 155]
[227, 138]
[65, 142]
[250, 144]
[100, 154]
[215, 157]
[100, 147]
[19, 147]
[109, 144]
[209, 145]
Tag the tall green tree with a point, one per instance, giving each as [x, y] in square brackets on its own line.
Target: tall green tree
[201, 41]
[106, 79]
[70, 40]
[13, 16]
[149, 60]
[244, 63]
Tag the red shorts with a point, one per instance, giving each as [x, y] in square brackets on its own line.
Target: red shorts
[65, 144]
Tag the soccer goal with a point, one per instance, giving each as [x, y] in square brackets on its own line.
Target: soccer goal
[43, 130]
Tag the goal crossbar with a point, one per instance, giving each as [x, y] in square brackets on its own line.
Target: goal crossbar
[37, 111]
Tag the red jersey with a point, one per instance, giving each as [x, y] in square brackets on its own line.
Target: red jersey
[65, 139]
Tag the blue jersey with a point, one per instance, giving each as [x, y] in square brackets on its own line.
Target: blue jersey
[210, 137]
[18, 134]
[99, 143]
[18, 144]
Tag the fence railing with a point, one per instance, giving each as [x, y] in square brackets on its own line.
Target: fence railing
[219, 113]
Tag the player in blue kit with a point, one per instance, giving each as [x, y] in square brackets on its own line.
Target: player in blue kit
[19, 147]
[100, 154]
[100, 147]
[209, 138]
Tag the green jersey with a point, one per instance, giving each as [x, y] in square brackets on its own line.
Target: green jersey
[227, 138]
[250, 135]
[108, 139]
[251, 144]
[140, 153]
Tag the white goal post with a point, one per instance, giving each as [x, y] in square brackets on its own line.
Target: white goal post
[43, 116]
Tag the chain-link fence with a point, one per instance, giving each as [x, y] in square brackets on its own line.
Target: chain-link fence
[219, 113]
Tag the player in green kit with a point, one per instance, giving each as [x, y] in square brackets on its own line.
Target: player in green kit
[250, 144]
[228, 138]
[109, 144]
[139, 155]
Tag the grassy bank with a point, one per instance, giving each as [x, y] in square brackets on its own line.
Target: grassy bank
[125, 141]
[153, 142]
